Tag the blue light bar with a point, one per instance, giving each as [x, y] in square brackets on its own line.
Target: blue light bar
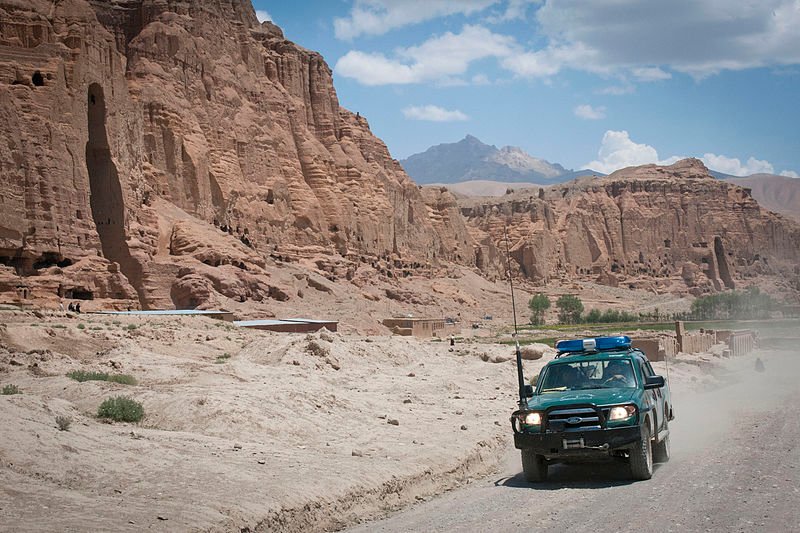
[621, 342]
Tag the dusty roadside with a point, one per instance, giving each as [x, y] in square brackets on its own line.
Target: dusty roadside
[735, 467]
[243, 430]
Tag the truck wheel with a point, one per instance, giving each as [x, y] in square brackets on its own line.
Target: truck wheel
[642, 456]
[661, 449]
[534, 466]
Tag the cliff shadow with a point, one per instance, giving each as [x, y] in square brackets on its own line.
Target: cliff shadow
[106, 199]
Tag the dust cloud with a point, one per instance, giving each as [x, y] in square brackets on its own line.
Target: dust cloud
[739, 396]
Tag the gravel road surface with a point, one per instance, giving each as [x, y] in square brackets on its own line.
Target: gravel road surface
[735, 467]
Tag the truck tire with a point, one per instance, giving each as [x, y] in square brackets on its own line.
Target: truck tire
[534, 466]
[641, 460]
[661, 448]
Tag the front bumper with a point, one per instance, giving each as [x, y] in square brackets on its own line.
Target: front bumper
[592, 441]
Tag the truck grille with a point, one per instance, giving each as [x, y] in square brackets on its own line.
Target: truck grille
[573, 419]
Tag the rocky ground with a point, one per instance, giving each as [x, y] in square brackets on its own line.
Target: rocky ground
[245, 430]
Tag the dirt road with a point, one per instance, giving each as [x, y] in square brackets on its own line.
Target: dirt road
[735, 467]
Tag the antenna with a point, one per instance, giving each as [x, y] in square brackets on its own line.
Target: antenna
[520, 377]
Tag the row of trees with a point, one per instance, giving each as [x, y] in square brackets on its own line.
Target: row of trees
[569, 306]
[747, 304]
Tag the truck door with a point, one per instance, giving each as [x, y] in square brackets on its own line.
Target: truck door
[656, 395]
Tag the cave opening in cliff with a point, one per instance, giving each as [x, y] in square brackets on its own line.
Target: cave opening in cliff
[37, 79]
[107, 202]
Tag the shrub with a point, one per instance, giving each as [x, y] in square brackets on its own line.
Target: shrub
[82, 375]
[222, 358]
[121, 409]
[123, 379]
[131, 327]
[11, 389]
[81, 325]
[63, 422]
[594, 316]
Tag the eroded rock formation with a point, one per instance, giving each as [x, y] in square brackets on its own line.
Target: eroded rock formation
[160, 135]
[662, 228]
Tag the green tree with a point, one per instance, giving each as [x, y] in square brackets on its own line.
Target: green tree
[593, 317]
[570, 308]
[538, 305]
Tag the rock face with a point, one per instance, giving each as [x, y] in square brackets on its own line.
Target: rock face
[153, 140]
[777, 193]
[670, 228]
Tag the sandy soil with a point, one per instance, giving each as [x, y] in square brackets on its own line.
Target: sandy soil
[245, 430]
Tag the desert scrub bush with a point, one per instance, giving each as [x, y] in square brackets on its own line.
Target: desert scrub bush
[123, 379]
[8, 390]
[63, 422]
[121, 409]
[131, 327]
[222, 358]
[81, 326]
[82, 375]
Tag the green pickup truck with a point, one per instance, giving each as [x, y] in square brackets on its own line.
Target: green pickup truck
[599, 399]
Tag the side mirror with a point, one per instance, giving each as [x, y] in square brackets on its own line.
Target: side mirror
[654, 382]
[527, 391]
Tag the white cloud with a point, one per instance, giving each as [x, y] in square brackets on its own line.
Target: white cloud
[433, 113]
[376, 17]
[263, 16]
[549, 61]
[699, 37]
[588, 112]
[732, 165]
[617, 90]
[480, 79]
[514, 10]
[619, 151]
[439, 59]
[374, 69]
[650, 74]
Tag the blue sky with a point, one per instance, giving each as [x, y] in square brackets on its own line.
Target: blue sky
[597, 83]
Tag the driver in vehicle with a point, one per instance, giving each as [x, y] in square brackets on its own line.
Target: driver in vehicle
[618, 373]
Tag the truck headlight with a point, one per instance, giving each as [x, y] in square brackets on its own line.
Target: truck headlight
[621, 412]
[532, 419]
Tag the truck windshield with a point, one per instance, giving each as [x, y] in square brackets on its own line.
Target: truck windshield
[581, 375]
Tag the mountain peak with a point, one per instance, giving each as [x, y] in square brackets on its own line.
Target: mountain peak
[471, 159]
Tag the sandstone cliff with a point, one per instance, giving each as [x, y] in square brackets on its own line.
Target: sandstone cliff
[667, 229]
[132, 130]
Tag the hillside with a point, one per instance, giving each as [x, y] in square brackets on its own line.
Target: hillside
[672, 229]
[776, 193]
[197, 150]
